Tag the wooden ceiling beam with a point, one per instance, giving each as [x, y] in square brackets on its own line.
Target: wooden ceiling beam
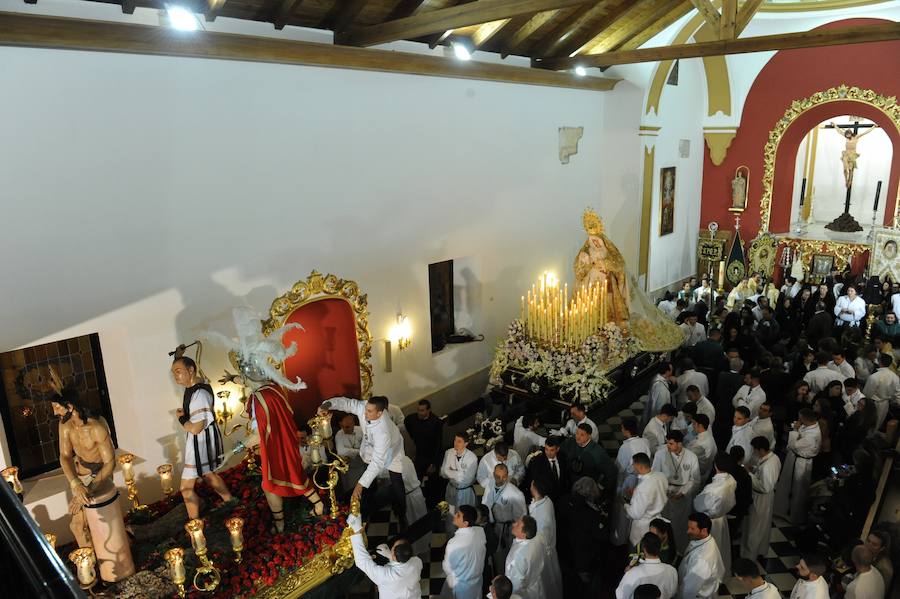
[729, 20]
[745, 14]
[404, 8]
[536, 26]
[662, 21]
[578, 41]
[445, 19]
[33, 31]
[213, 7]
[349, 10]
[641, 16]
[859, 34]
[547, 45]
[284, 11]
[436, 38]
[709, 13]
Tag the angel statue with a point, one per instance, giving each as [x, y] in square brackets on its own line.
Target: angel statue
[600, 263]
[272, 421]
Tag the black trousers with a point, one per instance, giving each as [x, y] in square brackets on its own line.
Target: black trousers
[398, 498]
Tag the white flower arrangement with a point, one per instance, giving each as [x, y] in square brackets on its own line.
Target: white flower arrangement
[578, 373]
[486, 432]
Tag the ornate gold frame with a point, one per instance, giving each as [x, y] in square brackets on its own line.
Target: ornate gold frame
[317, 287]
[843, 251]
[886, 104]
[329, 562]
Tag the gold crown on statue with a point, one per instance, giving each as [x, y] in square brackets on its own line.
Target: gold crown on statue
[592, 222]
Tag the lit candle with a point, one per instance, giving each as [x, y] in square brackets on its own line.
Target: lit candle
[194, 529]
[84, 561]
[326, 426]
[523, 310]
[877, 193]
[234, 526]
[175, 559]
[165, 478]
[51, 538]
[314, 455]
[126, 462]
[11, 476]
[721, 274]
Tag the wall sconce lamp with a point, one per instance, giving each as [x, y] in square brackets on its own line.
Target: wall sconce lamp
[399, 335]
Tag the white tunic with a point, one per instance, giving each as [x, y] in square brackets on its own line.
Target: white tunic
[649, 571]
[464, 563]
[741, 435]
[716, 500]
[571, 426]
[658, 395]
[415, 504]
[758, 523]
[819, 378]
[805, 589]
[863, 368]
[683, 474]
[701, 570]
[348, 445]
[705, 448]
[857, 309]
[692, 334]
[208, 440]
[704, 406]
[460, 472]
[850, 401]
[844, 369]
[883, 388]
[655, 434]
[394, 580]
[868, 585]
[524, 440]
[766, 590]
[506, 504]
[524, 567]
[793, 484]
[762, 427]
[542, 512]
[647, 502]
[625, 479]
[485, 476]
[382, 434]
[749, 397]
[688, 378]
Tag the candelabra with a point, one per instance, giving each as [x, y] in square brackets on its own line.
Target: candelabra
[11, 476]
[224, 414]
[321, 437]
[175, 559]
[165, 478]
[85, 560]
[127, 462]
[870, 322]
[235, 527]
[194, 529]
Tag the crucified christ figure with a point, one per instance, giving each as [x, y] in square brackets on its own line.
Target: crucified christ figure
[849, 156]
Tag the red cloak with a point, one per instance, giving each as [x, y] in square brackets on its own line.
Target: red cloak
[282, 466]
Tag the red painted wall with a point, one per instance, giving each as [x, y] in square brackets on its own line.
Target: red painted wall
[792, 75]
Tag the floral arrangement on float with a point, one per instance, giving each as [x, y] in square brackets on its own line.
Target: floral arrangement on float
[485, 433]
[576, 373]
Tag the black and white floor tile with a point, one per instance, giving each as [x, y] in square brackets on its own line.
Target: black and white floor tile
[782, 556]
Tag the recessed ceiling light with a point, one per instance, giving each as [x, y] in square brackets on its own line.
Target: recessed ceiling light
[181, 18]
[580, 71]
[461, 51]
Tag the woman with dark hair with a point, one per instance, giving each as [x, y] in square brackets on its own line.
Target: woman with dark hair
[823, 294]
[786, 317]
[583, 533]
[798, 398]
[803, 305]
[858, 426]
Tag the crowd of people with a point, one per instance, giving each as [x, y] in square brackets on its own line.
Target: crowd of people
[762, 413]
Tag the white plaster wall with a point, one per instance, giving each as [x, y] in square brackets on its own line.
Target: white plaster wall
[146, 196]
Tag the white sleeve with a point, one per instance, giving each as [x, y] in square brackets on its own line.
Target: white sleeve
[517, 472]
[710, 504]
[446, 472]
[693, 579]
[693, 482]
[516, 572]
[482, 475]
[859, 311]
[450, 564]
[468, 468]
[380, 448]
[519, 507]
[638, 505]
[200, 410]
[364, 562]
[344, 446]
[351, 406]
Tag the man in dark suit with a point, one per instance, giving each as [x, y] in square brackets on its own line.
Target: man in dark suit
[727, 385]
[819, 326]
[547, 466]
[709, 355]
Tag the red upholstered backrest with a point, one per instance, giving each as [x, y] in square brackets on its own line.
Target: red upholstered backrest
[327, 357]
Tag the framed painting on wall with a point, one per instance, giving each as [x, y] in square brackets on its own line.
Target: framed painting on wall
[666, 200]
[885, 261]
[821, 266]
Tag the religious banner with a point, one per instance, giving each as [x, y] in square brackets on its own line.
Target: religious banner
[762, 254]
[885, 257]
[666, 200]
[735, 269]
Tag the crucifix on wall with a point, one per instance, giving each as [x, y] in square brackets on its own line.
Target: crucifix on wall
[849, 156]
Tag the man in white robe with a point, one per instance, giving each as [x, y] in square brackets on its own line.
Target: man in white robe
[690, 376]
[524, 436]
[716, 500]
[851, 396]
[400, 577]
[684, 422]
[464, 554]
[541, 509]
[819, 378]
[701, 570]
[868, 582]
[811, 585]
[793, 485]
[741, 432]
[883, 388]
[579, 416]
[506, 504]
[762, 426]
[704, 406]
[751, 395]
[459, 468]
[348, 439]
[501, 454]
[841, 365]
[704, 446]
[649, 570]
[850, 309]
[656, 430]
[682, 470]
[415, 504]
[525, 562]
[659, 393]
[626, 478]
[647, 500]
[692, 330]
[747, 572]
[763, 477]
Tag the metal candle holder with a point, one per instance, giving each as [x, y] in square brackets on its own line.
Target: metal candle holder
[235, 527]
[126, 461]
[194, 529]
[11, 476]
[165, 478]
[175, 559]
[85, 560]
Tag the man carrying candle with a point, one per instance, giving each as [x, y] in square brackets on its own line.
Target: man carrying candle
[87, 458]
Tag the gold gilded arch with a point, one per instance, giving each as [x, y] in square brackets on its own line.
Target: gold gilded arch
[718, 85]
[844, 93]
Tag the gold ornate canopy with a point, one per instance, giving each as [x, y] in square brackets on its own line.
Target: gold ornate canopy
[762, 254]
[318, 287]
[886, 104]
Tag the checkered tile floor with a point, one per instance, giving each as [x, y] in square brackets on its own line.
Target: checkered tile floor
[781, 558]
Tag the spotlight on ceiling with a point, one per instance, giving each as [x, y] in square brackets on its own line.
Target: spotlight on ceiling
[461, 51]
[181, 18]
[580, 71]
